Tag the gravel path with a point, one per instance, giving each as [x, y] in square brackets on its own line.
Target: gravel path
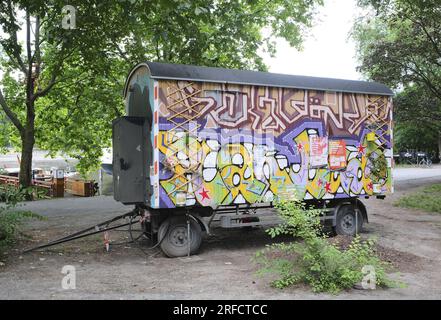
[223, 269]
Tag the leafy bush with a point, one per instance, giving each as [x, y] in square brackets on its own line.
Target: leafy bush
[11, 218]
[13, 195]
[298, 221]
[314, 261]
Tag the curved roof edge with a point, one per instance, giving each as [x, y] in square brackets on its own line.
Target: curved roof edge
[132, 71]
[245, 77]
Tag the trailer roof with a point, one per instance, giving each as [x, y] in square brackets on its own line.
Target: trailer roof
[246, 77]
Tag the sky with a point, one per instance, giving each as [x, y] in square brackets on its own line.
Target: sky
[328, 51]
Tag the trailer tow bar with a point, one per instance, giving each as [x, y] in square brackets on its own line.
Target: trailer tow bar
[98, 228]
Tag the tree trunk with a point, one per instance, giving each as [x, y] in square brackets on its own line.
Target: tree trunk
[439, 145]
[27, 146]
[27, 133]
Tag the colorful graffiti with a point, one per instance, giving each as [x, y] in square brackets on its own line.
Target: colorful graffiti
[223, 144]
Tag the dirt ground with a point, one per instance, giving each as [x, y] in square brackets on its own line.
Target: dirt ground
[409, 239]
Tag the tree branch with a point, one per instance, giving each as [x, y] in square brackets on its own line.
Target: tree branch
[426, 32]
[121, 53]
[28, 38]
[11, 115]
[15, 53]
[30, 80]
[423, 78]
[37, 53]
[55, 74]
[42, 93]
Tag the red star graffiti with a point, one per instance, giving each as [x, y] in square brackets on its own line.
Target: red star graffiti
[299, 146]
[370, 186]
[361, 148]
[204, 194]
[328, 187]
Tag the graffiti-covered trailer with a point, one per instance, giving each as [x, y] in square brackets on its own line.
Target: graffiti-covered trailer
[200, 141]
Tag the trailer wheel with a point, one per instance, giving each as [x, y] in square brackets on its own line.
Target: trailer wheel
[346, 221]
[173, 234]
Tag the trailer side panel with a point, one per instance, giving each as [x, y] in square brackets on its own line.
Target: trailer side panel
[221, 144]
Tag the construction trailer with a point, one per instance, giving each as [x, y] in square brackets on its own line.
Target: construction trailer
[202, 142]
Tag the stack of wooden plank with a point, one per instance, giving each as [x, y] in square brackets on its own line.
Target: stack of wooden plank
[79, 187]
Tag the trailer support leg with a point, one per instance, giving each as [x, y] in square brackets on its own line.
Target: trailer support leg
[188, 235]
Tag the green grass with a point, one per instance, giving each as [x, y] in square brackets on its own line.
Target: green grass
[428, 199]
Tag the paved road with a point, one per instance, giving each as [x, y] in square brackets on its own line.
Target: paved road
[411, 173]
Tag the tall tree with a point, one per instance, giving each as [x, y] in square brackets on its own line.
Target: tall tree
[399, 43]
[40, 61]
[418, 120]
[71, 79]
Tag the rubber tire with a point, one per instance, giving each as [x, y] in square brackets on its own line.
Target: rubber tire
[165, 233]
[347, 210]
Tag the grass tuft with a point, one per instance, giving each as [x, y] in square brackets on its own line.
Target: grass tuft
[428, 199]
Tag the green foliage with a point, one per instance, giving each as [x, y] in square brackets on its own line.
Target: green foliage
[298, 222]
[81, 72]
[378, 167]
[315, 261]
[77, 117]
[427, 199]
[11, 219]
[217, 33]
[12, 195]
[398, 44]
[10, 224]
[418, 120]
[411, 136]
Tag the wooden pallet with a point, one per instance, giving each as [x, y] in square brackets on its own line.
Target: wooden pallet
[78, 187]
